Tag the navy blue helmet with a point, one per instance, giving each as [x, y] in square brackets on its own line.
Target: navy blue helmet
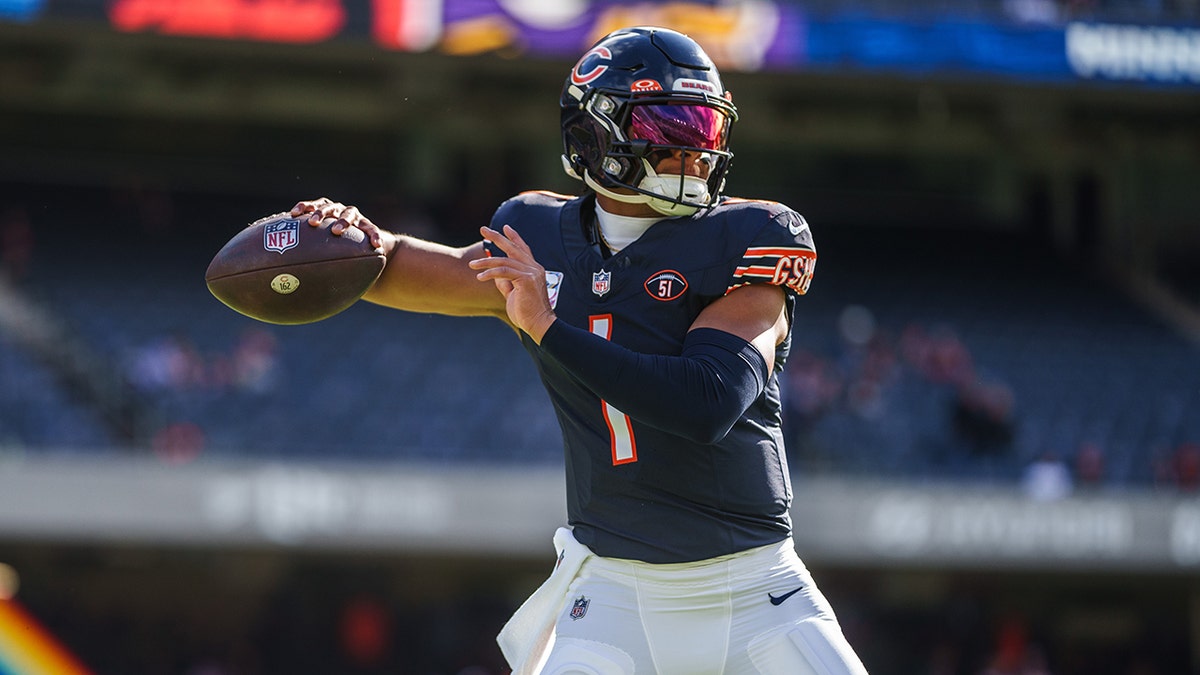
[636, 94]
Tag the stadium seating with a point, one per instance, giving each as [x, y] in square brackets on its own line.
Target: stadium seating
[1081, 362]
[39, 414]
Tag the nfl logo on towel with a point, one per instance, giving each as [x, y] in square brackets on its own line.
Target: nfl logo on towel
[601, 281]
[282, 235]
[579, 609]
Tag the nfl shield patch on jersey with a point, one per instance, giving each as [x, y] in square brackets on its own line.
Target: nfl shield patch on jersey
[601, 282]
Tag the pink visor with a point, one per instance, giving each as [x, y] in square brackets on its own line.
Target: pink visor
[692, 126]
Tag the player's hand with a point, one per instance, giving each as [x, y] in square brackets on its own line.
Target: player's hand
[520, 279]
[346, 216]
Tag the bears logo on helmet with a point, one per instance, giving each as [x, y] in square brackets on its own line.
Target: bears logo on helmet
[579, 77]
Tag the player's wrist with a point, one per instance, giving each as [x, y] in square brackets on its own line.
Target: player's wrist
[389, 243]
[540, 325]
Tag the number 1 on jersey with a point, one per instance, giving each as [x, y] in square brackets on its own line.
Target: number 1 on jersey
[620, 428]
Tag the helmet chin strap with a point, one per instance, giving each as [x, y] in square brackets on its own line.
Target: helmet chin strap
[691, 188]
[674, 187]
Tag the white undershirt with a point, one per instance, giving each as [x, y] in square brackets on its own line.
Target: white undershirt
[617, 232]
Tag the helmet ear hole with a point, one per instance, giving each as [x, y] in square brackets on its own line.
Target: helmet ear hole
[572, 166]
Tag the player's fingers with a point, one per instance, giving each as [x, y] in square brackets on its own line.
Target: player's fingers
[515, 249]
[494, 237]
[515, 236]
[502, 242]
[506, 267]
[495, 261]
[518, 244]
[308, 206]
[371, 230]
[348, 217]
[497, 269]
[322, 213]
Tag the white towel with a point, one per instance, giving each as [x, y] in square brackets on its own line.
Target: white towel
[526, 636]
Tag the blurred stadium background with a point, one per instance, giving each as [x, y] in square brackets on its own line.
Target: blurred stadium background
[994, 400]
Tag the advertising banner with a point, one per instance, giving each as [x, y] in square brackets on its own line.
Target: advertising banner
[746, 35]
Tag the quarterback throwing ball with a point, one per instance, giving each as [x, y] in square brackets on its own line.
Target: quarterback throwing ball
[658, 312]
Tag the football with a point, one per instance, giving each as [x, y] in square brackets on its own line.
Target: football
[282, 270]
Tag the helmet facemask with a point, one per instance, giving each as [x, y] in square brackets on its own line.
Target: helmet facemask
[631, 134]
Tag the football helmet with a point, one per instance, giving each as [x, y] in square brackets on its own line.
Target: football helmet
[638, 96]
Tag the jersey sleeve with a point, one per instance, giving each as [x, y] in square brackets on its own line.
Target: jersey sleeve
[506, 213]
[781, 253]
[533, 213]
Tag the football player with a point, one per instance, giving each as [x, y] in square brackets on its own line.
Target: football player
[658, 312]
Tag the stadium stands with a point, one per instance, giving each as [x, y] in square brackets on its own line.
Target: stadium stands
[944, 355]
[39, 414]
[371, 384]
[1082, 361]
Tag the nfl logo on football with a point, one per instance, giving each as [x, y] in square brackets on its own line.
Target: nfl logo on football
[579, 609]
[281, 236]
[601, 281]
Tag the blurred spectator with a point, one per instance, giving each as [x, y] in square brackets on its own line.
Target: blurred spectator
[938, 355]
[364, 630]
[983, 417]
[1187, 466]
[813, 386]
[1014, 653]
[868, 361]
[1033, 11]
[255, 360]
[178, 442]
[16, 243]
[876, 372]
[871, 367]
[170, 363]
[1047, 478]
[1089, 464]
[1181, 468]
[174, 364]
[856, 325]
[1077, 9]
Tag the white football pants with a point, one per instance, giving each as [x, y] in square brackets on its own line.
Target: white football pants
[752, 613]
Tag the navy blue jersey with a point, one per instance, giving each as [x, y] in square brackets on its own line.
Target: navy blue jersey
[634, 491]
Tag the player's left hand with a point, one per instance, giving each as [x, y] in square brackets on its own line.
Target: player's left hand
[319, 209]
[520, 279]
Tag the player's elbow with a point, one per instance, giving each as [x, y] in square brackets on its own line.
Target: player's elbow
[709, 427]
[708, 437]
[704, 422]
